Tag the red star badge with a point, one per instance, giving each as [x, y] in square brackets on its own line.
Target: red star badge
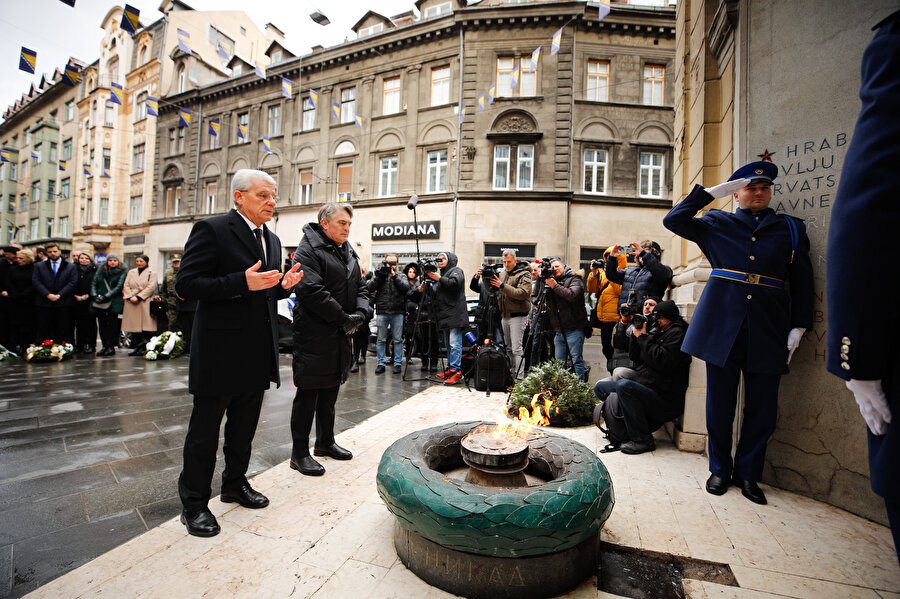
[766, 155]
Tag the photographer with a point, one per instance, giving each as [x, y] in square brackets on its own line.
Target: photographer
[567, 314]
[648, 277]
[449, 297]
[656, 393]
[606, 313]
[514, 301]
[389, 288]
[621, 366]
[487, 314]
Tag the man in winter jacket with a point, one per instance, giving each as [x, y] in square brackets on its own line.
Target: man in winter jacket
[514, 301]
[655, 395]
[607, 299]
[389, 288]
[567, 314]
[449, 293]
[648, 277]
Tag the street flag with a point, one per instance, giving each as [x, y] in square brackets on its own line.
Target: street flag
[602, 10]
[69, 2]
[514, 81]
[184, 40]
[62, 165]
[214, 127]
[260, 71]
[105, 174]
[87, 170]
[184, 117]
[115, 93]
[480, 102]
[27, 60]
[152, 106]
[286, 88]
[491, 91]
[462, 114]
[130, 19]
[313, 97]
[336, 109]
[534, 58]
[357, 118]
[70, 75]
[267, 144]
[242, 131]
[12, 208]
[4, 156]
[35, 155]
[225, 49]
[556, 41]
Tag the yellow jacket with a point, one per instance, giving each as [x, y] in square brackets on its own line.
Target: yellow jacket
[608, 300]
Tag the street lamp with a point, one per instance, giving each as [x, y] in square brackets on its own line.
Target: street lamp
[319, 18]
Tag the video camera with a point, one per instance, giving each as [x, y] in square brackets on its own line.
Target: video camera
[489, 271]
[387, 266]
[639, 319]
[546, 269]
[598, 264]
[429, 266]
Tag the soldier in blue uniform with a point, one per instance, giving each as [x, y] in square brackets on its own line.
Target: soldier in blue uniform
[864, 345]
[754, 310]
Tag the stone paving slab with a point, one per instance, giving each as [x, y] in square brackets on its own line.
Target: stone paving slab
[330, 537]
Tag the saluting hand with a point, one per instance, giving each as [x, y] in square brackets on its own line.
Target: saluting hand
[261, 280]
[292, 277]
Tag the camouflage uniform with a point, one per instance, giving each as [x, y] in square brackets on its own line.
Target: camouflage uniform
[169, 298]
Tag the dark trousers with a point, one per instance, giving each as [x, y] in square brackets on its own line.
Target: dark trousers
[360, 341]
[185, 324]
[85, 325]
[893, 510]
[606, 331]
[242, 411]
[760, 414]
[109, 328]
[309, 402]
[54, 322]
[643, 409]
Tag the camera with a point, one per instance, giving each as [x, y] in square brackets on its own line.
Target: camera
[429, 266]
[631, 309]
[386, 268]
[639, 319]
[598, 264]
[546, 269]
[489, 271]
[625, 247]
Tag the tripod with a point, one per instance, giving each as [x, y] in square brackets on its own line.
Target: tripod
[487, 326]
[541, 334]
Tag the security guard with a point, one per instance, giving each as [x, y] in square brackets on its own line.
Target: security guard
[754, 310]
[863, 346]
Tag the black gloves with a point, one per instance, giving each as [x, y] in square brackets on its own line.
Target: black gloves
[352, 323]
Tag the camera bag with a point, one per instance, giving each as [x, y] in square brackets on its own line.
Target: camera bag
[610, 412]
[492, 369]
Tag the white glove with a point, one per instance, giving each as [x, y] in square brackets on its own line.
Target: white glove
[793, 341]
[726, 189]
[873, 404]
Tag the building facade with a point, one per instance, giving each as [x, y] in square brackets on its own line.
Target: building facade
[572, 155]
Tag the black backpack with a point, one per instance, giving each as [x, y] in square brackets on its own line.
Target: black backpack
[492, 369]
[611, 414]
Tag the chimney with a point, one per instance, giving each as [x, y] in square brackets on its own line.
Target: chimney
[274, 33]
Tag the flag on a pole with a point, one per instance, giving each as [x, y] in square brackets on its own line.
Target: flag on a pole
[214, 127]
[115, 93]
[286, 88]
[260, 71]
[63, 164]
[534, 59]
[184, 41]
[602, 10]
[105, 174]
[242, 132]
[130, 19]
[184, 117]
[152, 106]
[462, 114]
[514, 81]
[27, 60]
[35, 155]
[313, 97]
[70, 75]
[555, 42]
[225, 49]
[481, 102]
[336, 109]
[357, 118]
[12, 208]
[87, 170]
[4, 156]
[267, 144]
[490, 93]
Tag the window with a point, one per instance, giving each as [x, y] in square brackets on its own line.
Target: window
[34, 228]
[598, 80]
[39, 150]
[654, 84]
[437, 171]
[309, 115]
[137, 158]
[63, 229]
[595, 171]
[501, 167]
[140, 106]
[2, 172]
[214, 142]
[436, 11]
[180, 133]
[173, 145]
[36, 191]
[107, 159]
[87, 213]
[243, 123]
[210, 198]
[135, 210]
[49, 227]
[51, 191]
[387, 178]
[64, 189]
[275, 120]
[216, 37]
[345, 180]
[440, 85]
[391, 95]
[651, 175]
[13, 168]
[104, 212]
[276, 56]
[526, 79]
[143, 56]
[348, 104]
[505, 66]
[67, 149]
[23, 202]
[525, 166]
[173, 201]
[371, 30]
[112, 67]
[26, 169]
[181, 79]
[53, 152]
[109, 115]
[306, 186]
[70, 110]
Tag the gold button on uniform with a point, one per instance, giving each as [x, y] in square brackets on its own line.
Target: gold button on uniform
[845, 366]
[845, 349]
[845, 357]
[846, 340]
[749, 297]
[753, 239]
[753, 257]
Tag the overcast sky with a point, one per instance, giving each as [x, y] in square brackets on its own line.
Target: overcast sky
[56, 31]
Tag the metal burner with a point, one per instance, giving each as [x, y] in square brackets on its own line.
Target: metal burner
[494, 460]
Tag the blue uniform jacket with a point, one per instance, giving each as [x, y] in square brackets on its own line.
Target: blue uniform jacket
[759, 244]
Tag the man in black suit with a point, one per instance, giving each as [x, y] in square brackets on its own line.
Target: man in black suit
[231, 267]
[54, 286]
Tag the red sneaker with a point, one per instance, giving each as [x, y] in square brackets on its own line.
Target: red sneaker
[446, 373]
[454, 378]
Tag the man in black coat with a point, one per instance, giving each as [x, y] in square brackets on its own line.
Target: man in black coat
[449, 302]
[332, 302]
[54, 282]
[568, 317]
[389, 287]
[231, 267]
[863, 346]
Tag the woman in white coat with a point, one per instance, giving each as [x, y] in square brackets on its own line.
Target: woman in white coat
[140, 286]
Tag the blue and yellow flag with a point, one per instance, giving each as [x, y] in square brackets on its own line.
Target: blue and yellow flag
[63, 164]
[260, 71]
[242, 131]
[115, 93]
[12, 208]
[105, 174]
[214, 127]
[490, 93]
[462, 114]
[514, 81]
[336, 109]
[184, 40]
[27, 60]
[35, 155]
[313, 97]
[152, 106]
[184, 117]
[4, 156]
[556, 41]
[357, 119]
[130, 19]
[534, 58]
[267, 144]
[225, 50]
[602, 10]
[286, 88]
[480, 102]
[87, 170]
[70, 75]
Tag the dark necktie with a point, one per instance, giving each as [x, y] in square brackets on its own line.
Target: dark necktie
[259, 241]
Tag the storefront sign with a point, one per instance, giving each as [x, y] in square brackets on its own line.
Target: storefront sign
[429, 229]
